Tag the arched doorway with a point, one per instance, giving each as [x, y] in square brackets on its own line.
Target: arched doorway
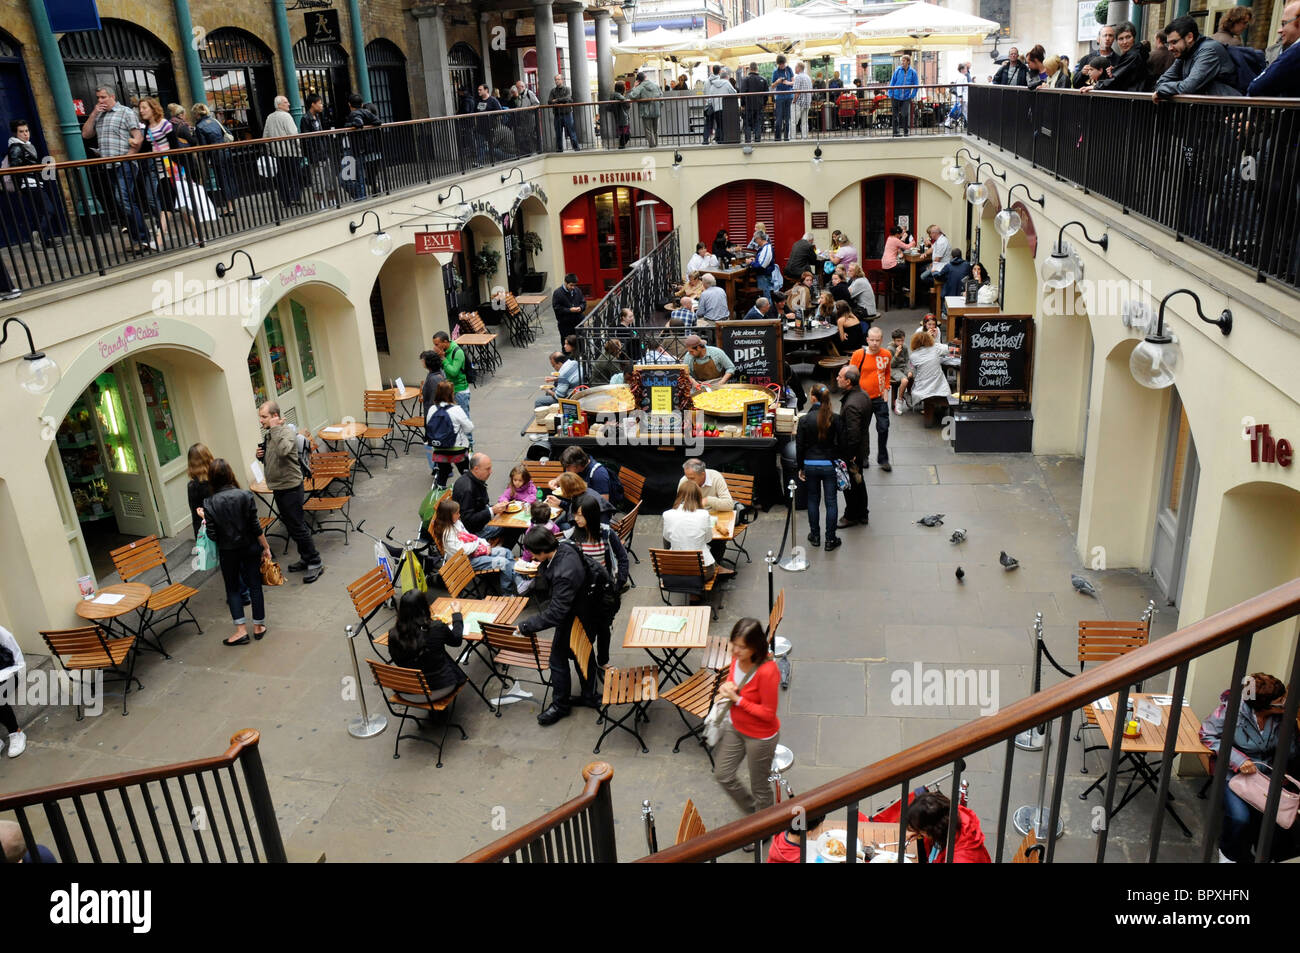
[387, 68]
[601, 235]
[738, 206]
[238, 80]
[16, 102]
[122, 55]
[323, 68]
[530, 69]
[887, 200]
[525, 266]
[466, 69]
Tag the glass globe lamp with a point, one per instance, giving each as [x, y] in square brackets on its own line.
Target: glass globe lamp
[977, 193]
[1006, 223]
[37, 374]
[381, 243]
[1154, 362]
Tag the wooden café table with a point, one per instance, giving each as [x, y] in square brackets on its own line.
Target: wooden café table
[504, 610]
[111, 603]
[1151, 741]
[956, 307]
[350, 434]
[729, 279]
[821, 336]
[725, 527]
[913, 259]
[674, 645]
[531, 305]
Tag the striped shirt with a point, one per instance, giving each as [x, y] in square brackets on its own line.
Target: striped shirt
[686, 314]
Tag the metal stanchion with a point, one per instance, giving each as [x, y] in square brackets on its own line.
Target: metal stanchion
[797, 561]
[1032, 739]
[367, 725]
[1039, 817]
[781, 646]
[651, 838]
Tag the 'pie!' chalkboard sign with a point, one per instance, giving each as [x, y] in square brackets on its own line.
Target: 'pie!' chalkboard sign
[755, 348]
[997, 355]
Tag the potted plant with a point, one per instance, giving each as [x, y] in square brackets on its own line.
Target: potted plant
[532, 282]
[486, 262]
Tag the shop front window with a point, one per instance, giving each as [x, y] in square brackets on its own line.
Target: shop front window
[306, 353]
[279, 356]
[256, 377]
[158, 411]
[605, 236]
[115, 425]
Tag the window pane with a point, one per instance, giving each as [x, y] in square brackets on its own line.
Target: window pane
[115, 424]
[256, 377]
[158, 411]
[279, 357]
[306, 354]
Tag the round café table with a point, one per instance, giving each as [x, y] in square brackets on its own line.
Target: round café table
[134, 595]
[819, 339]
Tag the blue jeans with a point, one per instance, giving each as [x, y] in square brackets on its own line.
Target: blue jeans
[821, 481]
[124, 177]
[462, 398]
[500, 559]
[1235, 839]
[242, 572]
[563, 126]
[782, 121]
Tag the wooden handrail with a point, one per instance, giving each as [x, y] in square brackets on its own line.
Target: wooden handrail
[597, 775]
[246, 740]
[1220, 629]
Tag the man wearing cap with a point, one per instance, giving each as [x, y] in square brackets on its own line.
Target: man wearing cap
[569, 303]
[706, 363]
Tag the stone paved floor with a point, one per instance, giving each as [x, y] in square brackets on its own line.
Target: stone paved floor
[885, 600]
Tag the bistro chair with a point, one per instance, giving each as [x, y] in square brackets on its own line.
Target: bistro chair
[411, 430]
[459, 575]
[370, 594]
[741, 487]
[406, 693]
[544, 472]
[521, 332]
[1029, 850]
[138, 557]
[509, 648]
[625, 526]
[1100, 642]
[634, 687]
[490, 355]
[633, 485]
[695, 696]
[682, 571]
[323, 474]
[88, 649]
[383, 402]
[689, 827]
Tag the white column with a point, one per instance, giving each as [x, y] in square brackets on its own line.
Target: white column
[547, 64]
[483, 44]
[604, 58]
[1117, 12]
[624, 29]
[432, 22]
[579, 78]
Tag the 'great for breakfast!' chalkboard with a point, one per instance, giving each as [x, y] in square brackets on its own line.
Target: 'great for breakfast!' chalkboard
[997, 355]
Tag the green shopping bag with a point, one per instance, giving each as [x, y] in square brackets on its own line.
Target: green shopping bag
[410, 575]
[205, 551]
[430, 503]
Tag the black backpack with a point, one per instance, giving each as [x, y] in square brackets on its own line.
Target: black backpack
[471, 375]
[617, 496]
[600, 589]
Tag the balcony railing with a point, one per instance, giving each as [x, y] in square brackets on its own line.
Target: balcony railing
[1221, 172]
[1052, 711]
[68, 220]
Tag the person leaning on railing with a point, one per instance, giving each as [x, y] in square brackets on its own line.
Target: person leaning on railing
[1254, 744]
[646, 92]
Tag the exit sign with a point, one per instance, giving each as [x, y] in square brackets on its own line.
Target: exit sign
[433, 243]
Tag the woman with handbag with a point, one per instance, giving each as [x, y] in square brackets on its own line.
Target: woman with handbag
[1254, 746]
[603, 545]
[230, 515]
[817, 448]
[749, 726]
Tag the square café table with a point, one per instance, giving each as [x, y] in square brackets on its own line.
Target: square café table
[1151, 741]
[674, 645]
[505, 610]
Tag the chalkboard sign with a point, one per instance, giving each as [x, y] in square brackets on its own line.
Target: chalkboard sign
[997, 355]
[570, 415]
[755, 348]
[755, 414]
[659, 389]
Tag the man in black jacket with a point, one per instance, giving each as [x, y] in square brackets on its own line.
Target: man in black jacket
[364, 148]
[803, 257]
[753, 105]
[563, 577]
[38, 209]
[471, 494]
[569, 303]
[1013, 71]
[856, 413]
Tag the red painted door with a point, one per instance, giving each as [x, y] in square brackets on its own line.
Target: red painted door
[739, 205]
[886, 201]
[601, 235]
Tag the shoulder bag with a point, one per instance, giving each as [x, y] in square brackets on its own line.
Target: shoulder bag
[716, 719]
[1253, 789]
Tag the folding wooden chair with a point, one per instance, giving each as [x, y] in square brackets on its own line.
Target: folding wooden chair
[521, 331]
[383, 402]
[695, 696]
[741, 487]
[408, 690]
[625, 527]
[691, 824]
[459, 575]
[325, 472]
[509, 648]
[1029, 850]
[411, 430]
[369, 594]
[1100, 642]
[337, 466]
[136, 558]
[544, 473]
[634, 687]
[88, 649]
[633, 485]
[682, 571]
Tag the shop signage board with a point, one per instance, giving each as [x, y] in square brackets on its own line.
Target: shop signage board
[997, 356]
[755, 347]
[433, 243]
[323, 26]
[660, 387]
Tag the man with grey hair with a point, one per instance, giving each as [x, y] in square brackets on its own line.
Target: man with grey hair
[470, 492]
[855, 414]
[803, 257]
[713, 304]
[759, 312]
[802, 100]
[117, 132]
[717, 497]
[282, 463]
[285, 155]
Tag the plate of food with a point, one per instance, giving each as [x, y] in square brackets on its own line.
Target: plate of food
[524, 566]
[832, 847]
[514, 506]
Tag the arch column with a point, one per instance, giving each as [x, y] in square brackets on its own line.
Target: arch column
[358, 50]
[579, 77]
[57, 77]
[431, 18]
[288, 68]
[193, 71]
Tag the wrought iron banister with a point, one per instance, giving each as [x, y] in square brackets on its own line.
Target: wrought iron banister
[580, 831]
[1233, 625]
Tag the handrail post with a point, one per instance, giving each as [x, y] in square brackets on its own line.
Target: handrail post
[651, 838]
[259, 795]
[603, 848]
[1229, 733]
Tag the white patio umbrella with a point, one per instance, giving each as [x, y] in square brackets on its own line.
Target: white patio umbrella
[657, 45]
[924, 24]
[775, 32]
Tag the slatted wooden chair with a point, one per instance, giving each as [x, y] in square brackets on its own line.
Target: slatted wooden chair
[1101, 641]
[634, 687]
[691, 824]
[370, 595]
[88, 649]
[384, 404]
[411, 430]
[544, 473]
[741, 487]
[521, 330]
[581, 647]
[633, 485]
[334, 462]
[1029, 851]
[509, 648]
[324, 473]
[459, 575]
[625, 526]
[682, 571]
[406, 693]
[139, 557]
[483, 348]
[695, 697]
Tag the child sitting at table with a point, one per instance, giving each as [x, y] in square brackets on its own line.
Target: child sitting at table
[521, 488]
[540, 514]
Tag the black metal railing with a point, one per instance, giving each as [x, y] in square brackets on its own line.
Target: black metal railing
[1221, 172]
[196, 812]
[1051, 712]
[579, 832]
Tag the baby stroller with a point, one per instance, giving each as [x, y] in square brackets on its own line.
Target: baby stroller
[410, 565]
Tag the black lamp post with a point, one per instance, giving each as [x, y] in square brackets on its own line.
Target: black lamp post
[37, 374]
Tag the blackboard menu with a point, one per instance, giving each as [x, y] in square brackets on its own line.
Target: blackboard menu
[997, 355]
[755, 348]
[570, 414]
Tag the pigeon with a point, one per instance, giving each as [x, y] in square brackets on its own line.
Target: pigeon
[961, 576]
[935, 520]
[1082, 585]
[1008, 562]
[958, 536]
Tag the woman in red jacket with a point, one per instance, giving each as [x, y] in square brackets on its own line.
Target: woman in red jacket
[752, 728]
[928, 816]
